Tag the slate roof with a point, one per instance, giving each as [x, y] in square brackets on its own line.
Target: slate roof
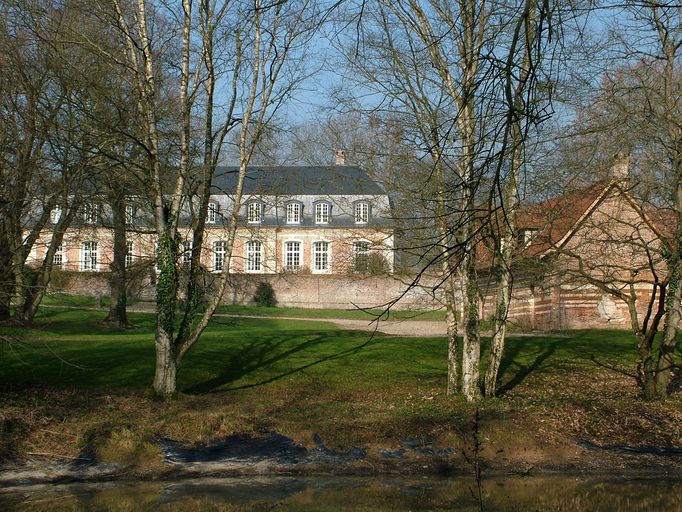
[330, 180]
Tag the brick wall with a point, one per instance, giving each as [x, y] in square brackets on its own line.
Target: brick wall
[334, 291]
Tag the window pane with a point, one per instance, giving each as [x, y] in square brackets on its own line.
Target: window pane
[130, 214]
[322, 213]
[219, 255]
[254, 256]
[361, 213]
[186, 248]
[129, 253]
[361, 256]
[293, 213]
[292, 255]
[58, 259]
[254, 212]
[211, 213]
[89, 257]
[56, 214]
[90, 213]
[321, 256]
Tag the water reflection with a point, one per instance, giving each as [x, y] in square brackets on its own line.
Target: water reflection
[376, 494]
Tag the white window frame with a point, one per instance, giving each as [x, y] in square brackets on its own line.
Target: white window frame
[186, 252]
[157, 267]
[321, 256]
[56, 214]
[322, 213]
[131, 212]
[219, 253]
[130, 253]
[254, 212]
[212, 213]
[90, 213]
[361, 248]
[58, 259]
[293, 211]
[89, 256]
[293, 255]
[253, 256]
[524, 237]
[361, 212]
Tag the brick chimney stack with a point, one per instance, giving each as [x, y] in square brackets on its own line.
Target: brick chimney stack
[620, 170]
[340, 157]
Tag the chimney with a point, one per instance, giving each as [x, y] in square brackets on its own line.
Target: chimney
[620, 170]
[340, 157]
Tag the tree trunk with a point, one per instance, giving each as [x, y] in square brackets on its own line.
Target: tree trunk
[6, 278]
[499, 323]
[165, 377]
[118, 314]
[471, 343]
[451, 305]
[666, 360]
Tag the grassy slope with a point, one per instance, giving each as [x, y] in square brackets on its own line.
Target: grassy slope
[70, 381]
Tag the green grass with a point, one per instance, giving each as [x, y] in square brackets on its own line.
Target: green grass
[350, 314]
[77, 301]
[72, 381]
[73, 348]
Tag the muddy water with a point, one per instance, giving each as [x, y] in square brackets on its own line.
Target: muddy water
[365, 494]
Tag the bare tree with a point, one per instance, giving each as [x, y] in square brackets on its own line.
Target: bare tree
[43, 152]
[438, 65]
[252, 41]
[637, 112]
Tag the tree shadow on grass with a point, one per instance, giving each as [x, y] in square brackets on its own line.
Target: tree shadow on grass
[521, 371]
[262, 352]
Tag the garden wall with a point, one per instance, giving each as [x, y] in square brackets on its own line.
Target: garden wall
[338, 292]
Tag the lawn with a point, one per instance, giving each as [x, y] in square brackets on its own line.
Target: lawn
[351, 314]
[72, 348]
[71, 381]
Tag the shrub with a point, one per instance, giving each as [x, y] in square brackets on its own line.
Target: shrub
[265, 296]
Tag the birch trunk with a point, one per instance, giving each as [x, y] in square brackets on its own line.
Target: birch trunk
[471, 340]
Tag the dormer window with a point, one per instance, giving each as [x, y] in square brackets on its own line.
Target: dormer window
[294, 213]
[254, 213]
[322, 213]
[525, 236]
[212, 213]
[361, 213]
[90, 213]
[131, 213]
[56, 214]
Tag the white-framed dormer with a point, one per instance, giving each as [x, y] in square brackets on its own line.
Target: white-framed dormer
[254, 212]
[292, 255]
[56, 214]
[254, 256]
[525, 236]
[212, 213]
[90, 213]
[323, 212]
[293, 212]
[321, 257]
[131, 213]
[361, 212]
